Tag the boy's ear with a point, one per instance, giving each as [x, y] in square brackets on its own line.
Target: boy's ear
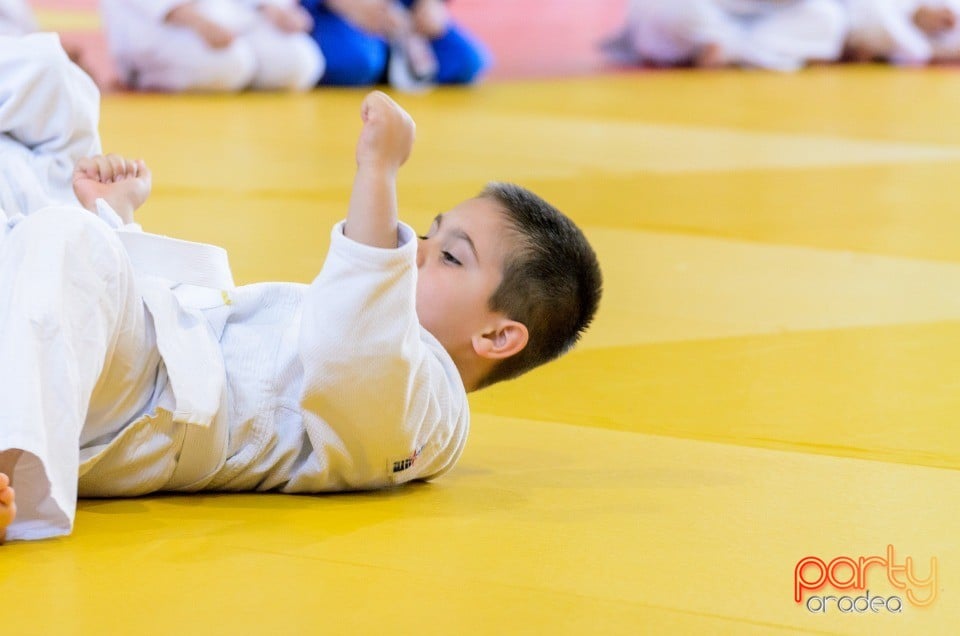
[506, 339]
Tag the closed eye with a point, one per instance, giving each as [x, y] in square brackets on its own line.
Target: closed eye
[449, 258]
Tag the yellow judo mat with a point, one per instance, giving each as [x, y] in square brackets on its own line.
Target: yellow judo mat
[767, 408]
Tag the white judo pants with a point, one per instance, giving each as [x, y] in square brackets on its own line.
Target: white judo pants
[153, 55]
[780, 38]
[78, 358]
[16, 18]
[49, 113]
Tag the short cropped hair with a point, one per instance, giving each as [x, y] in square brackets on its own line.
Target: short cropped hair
[551, 280]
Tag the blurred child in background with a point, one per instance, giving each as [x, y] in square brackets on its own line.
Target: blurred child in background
[904, 31]
[410, 43]
[782, 35]
[212, 45]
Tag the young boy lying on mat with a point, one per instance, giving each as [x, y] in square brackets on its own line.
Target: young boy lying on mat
[130, 364]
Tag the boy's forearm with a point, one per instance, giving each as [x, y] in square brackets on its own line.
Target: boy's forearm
[384, 145]
[372, 215]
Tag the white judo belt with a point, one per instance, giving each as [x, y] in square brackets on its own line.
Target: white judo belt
[175, 260]
[161, 264]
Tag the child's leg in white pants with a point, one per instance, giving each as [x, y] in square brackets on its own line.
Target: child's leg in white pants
[671, 32]
[72, 328]
[181, 61]
[16, 18]
[51, 109]
[285, 61]
[790, 37]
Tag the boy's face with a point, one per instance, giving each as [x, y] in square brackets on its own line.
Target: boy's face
[460, 263]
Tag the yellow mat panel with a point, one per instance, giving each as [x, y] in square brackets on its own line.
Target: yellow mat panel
[774, 373]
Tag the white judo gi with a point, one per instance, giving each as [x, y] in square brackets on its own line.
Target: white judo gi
[780, 35]
[16, 18]
[129, 364]
[153, 55]
[49, 112]
[885, 29]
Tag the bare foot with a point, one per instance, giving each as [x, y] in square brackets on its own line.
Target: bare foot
[123, 183]
[8, 507]
[934, 21]
[710, 56]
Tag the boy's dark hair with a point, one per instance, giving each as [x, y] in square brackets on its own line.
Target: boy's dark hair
[551, 282]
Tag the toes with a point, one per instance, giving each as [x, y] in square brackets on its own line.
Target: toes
[118, 166]
[7, 496]
[4, 481]
[104, 172]
[87, 167]
[143, 171]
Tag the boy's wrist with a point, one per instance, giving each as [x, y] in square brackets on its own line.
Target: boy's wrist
[378, 169]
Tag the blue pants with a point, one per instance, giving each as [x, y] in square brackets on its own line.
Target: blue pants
[355, 58]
